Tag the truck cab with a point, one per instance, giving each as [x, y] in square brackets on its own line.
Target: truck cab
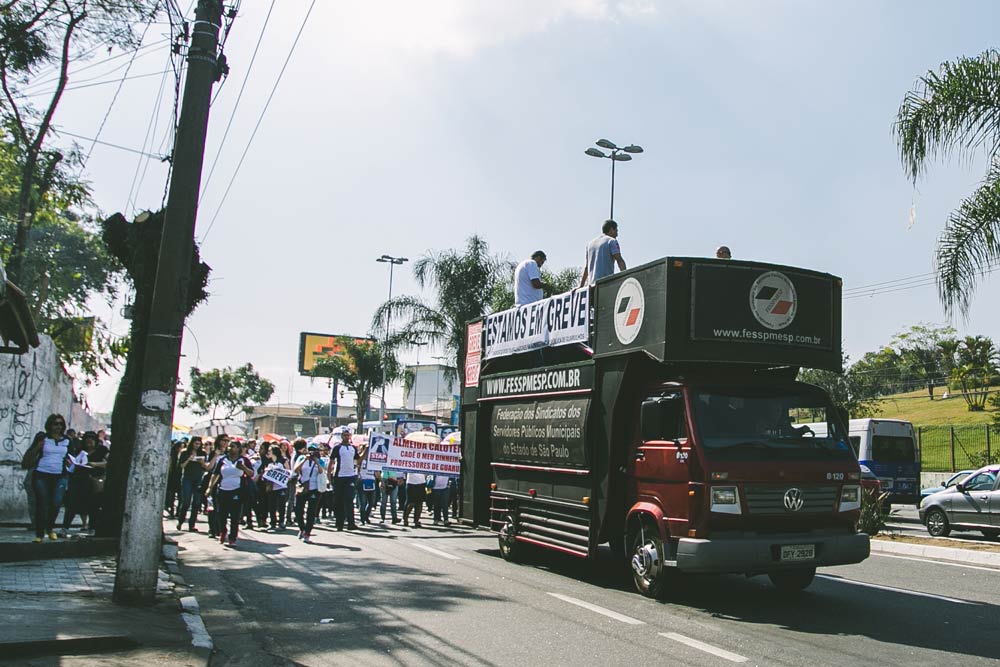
[658, 412]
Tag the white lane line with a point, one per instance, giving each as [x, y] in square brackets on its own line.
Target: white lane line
[434, 551]
[937, 562]
[702, 646]
[892, 588]
[598, 610]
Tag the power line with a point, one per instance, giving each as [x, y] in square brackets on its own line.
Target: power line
[114, 98]
[902, 284]
[111, 145]
[136, 185]
[100, 83]
[259, 120]
[44, 82]
[236, 104]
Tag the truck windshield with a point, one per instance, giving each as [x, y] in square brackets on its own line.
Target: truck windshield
[765, 424]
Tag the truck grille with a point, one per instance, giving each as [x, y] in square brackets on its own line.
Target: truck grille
[769, 499]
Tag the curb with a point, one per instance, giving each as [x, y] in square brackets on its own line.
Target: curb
[69, 646]
[991, 559]
[190, 610]
[64, 548]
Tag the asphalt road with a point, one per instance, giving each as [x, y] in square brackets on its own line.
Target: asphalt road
[437, 596]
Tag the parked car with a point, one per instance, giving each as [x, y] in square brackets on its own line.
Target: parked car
[951, 481]
[972, 504]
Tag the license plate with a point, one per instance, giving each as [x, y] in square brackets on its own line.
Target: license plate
[798, 552]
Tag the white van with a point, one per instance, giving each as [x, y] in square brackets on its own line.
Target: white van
[889, 448]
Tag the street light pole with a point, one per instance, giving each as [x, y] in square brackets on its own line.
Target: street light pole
[393, 262]
[616, 155]
[437, 388]
[416, 372]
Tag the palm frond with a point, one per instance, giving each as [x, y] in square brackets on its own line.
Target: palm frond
[955, 109]
[969, 244]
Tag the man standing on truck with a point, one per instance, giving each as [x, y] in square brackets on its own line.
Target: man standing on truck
[602, 254]
[528, 283]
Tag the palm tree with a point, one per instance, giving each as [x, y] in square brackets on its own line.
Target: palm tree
[359, 368]
[956, 110]
[464, 281]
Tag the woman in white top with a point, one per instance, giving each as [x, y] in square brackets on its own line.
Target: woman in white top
[228, 477]
[49, 478]
[309, 472]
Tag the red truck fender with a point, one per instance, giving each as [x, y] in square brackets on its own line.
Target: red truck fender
[653, 512]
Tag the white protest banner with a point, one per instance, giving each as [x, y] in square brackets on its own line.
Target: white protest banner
[378, 451]
[557, 320]
[431, 458]
[277, 475]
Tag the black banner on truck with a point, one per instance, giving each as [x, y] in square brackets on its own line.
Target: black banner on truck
[554, 380]
[545, 432]
[742, 304]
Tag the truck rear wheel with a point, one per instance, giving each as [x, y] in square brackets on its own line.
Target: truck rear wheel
[792, 581]
[511, 550]
[647, 561]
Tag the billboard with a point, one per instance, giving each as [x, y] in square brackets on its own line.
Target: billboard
[313, 346]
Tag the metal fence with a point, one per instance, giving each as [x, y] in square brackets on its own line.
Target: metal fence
[952, 448]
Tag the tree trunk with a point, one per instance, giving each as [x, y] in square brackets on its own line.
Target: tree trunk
[930, 390]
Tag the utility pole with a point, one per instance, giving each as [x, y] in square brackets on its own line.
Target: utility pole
[142, 526]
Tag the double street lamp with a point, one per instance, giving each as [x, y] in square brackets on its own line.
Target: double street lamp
[615, 154]
[393, 262]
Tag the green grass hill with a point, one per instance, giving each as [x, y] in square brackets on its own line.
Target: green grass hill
[915, 407]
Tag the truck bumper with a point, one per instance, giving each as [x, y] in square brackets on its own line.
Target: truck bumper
[762, 553]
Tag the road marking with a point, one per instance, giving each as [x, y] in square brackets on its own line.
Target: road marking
[702, 646]
[892, 588]
[598, 610]
[434, 551]
[938, 562]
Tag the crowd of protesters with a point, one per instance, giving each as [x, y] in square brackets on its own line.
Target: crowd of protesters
[281, 485]
[66, 471]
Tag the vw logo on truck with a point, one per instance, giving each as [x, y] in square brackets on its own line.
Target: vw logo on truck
[772, 300]
[793, 500]
[629, 306]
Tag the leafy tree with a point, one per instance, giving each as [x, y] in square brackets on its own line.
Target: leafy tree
[956, 109]
[36, 35]
[359, 368]
[464, 281]
[977, 362]
[232, 390]
[848, 390]
[879, 373]
[920, 351]
[561, 281]
[64, 266]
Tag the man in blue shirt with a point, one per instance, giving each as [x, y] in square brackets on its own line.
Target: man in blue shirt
[602, 254]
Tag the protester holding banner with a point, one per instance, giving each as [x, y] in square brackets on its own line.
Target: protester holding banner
[344, 473]
[366, 492]
[390, 492]
[276, 476]
[227, 479]
[416, 491]
[528, 285]
[298, 452]
[439, 498]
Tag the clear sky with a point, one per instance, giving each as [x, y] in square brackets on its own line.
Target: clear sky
[400, 127]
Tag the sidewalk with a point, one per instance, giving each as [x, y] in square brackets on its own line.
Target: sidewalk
[59, 611]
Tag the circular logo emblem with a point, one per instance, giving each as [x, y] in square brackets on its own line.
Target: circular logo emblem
[793, 500]
[773, 301]
[630, 304]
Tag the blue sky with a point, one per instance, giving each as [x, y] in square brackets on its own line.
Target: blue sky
[400, 127]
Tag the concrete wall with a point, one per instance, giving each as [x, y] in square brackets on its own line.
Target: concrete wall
[32, 386]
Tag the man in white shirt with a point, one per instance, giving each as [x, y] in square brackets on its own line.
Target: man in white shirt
[528, 285]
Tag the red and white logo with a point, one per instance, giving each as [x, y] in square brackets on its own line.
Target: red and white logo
[773, 301]
[630, 304]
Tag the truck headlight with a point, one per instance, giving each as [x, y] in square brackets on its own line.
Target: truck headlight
[850, 498]
[726, 499]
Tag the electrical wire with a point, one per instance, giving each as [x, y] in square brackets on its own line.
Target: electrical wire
[111, 145]
[253, 134]
[236, 104]
[136, 185]
[114, 98]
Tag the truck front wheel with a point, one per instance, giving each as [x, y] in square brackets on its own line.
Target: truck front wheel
[647, 556]
[792, 581]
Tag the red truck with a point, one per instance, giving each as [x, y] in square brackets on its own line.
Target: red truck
[658, 411]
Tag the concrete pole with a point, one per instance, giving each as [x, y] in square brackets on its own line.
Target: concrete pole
[142, 526]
